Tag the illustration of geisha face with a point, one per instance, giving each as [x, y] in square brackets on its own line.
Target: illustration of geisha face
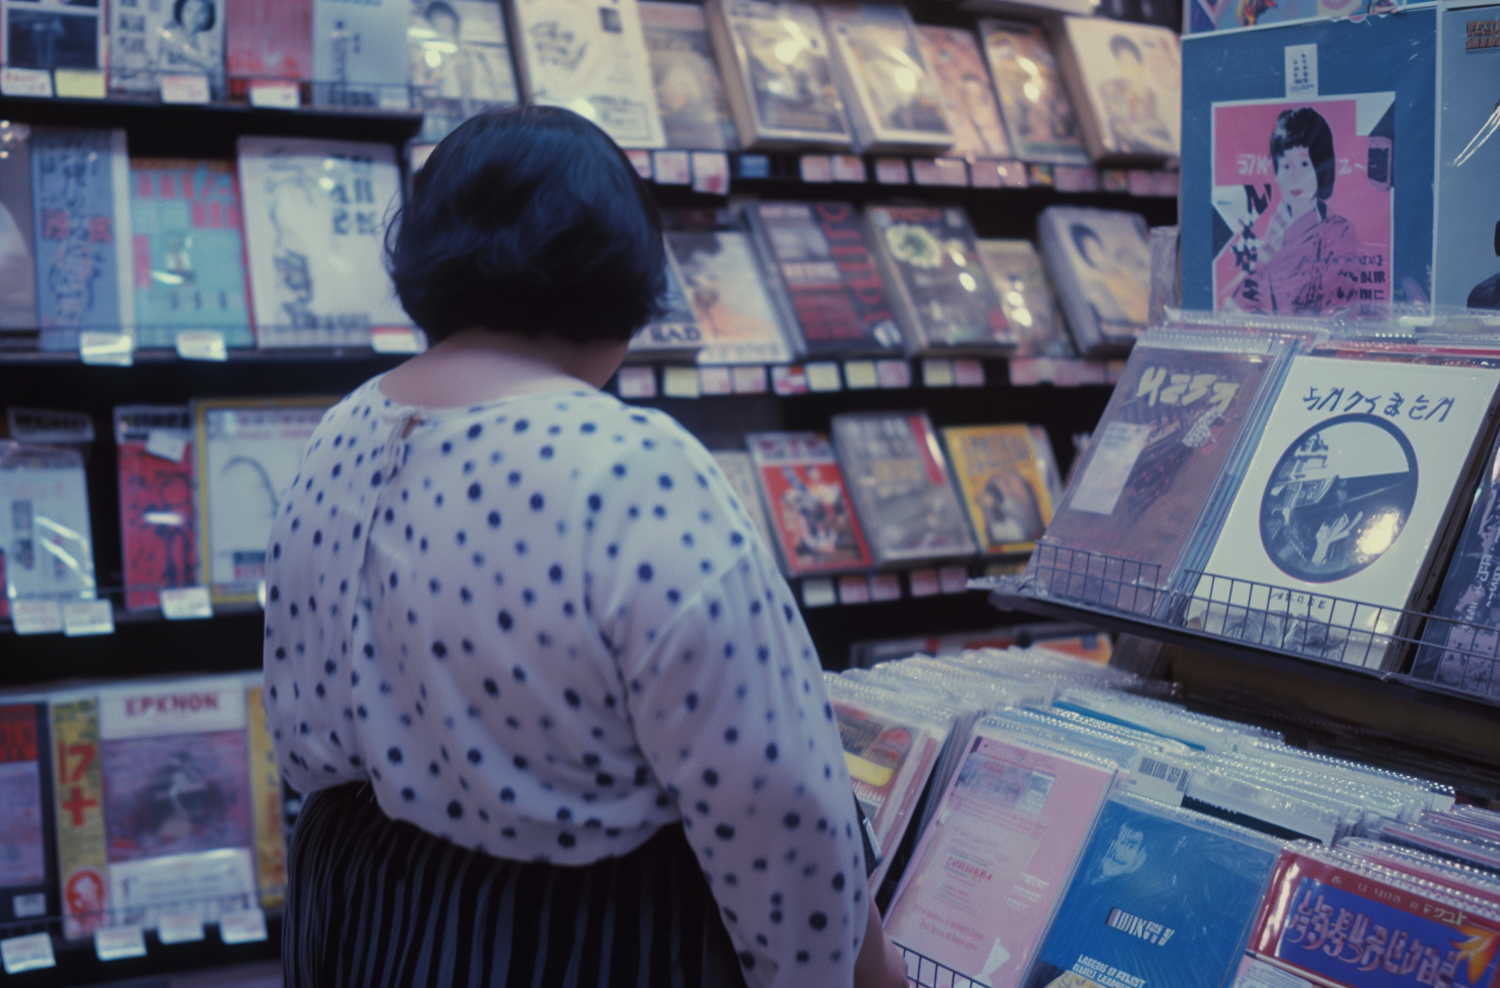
[1126, 854]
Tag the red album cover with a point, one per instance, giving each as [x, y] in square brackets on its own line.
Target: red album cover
[268, 39]
[808, 503]
[157, 523]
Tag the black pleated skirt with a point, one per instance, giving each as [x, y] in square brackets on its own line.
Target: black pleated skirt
[374, 902]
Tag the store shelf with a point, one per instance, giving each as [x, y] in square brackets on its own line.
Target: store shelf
[79, 964]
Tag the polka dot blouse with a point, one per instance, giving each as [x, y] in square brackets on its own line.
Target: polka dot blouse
[544, 628]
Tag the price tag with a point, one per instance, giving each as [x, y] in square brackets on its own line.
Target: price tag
[88, 617]
[1301, 63]
[179, 928]
[177, 88]
[715, 381]
[26, 82]
[36, 617]
[748, 380]
[789, 380]
[1075, 178]
[937, 373]
[953, 579]
[892, 171]
[1030, 370]
[859, 375]
[119, 942]
[711, 173]
[940, 171]
[755, 166]
[854, 590]
[169, 444]
[28, 953]
[642, 162]
[823, 376]
[968, 373]
[1114, 180]
[893, 373]
[78, 83]
[269, 95]
[816, 168]
[671, 167]
[186, 604]
[818, 593]
[1012, 174]
[242, 927]
[1165, 183]
[637, 382]
[201, 344]
[849, 168]
[885, 586]
[43, 425]
[1039, 175]
[106, 349]
[924, 582]
[1141, 182]
[395, 339]
[983, 174]
[29, 905]
[679, 382]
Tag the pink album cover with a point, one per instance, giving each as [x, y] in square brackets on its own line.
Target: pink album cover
[176, 794]
[1302, 193]
[987, 875]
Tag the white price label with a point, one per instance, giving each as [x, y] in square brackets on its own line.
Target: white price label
[823, 376]
[715, 381]
[893, 373]
[953, 579]
[937, 373]
[88, 617]
[395, 339]
[748, 380]
[940, 171]
[854, 590]
[859, 375]
[679, 382]
[36, 617]
[106, 349]
[816, 168]
[119, 942]
[248, 926]
[885, 586]
[637, 382]
[968, 373]
[642, 162]
[186, 604]
[28, 953]
[924, 582]
[25, 82]
[78, 83]
[202, 344]
[892, 171]
[275, 95]
[849, 168]
[179, 928]
[184, 88]
[671, 167]
[711, 173]
[169, 444]
[818, 593]
[1301, 71]
[28, 905]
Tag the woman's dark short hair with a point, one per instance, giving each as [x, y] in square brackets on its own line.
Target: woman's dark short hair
[529, 220]
[1306, 128]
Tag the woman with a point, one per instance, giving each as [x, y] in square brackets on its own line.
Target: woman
[559, 716]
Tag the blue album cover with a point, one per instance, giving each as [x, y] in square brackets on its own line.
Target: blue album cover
[1160, 900]
[1468, 262]
[1379, 164]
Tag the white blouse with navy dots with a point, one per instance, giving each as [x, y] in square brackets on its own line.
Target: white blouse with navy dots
[543, 628]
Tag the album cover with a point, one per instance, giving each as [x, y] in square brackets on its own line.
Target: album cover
[265, 795]
[1100, 261]
[359, 54]
[1468, 208]
[80, 184]
[188, 250]
[723, 283]
[894, 466]
[1038, 114]
[689, 93]
[1012, 818]
[27, 886]
[53, 34]
[268, 39]
[1342, 505]
[1354, 88]
[18, 317]
[149, 38]
[590, 59]
[1162, 897]
[460, 62]
[1224, 15]
[1159, 450]
[808, 504]
[1003, 477]
[78, 811]
[945, 302]
[157, 525]
[818, 266]
[1015, 269]
[248, 451]
[739, 472]
[778, 74]
[315, 215]
[675, 332]
[952, 55]
[44, 522]
[1127, 83]
[897, 103]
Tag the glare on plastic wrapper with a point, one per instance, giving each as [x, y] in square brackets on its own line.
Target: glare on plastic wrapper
[79, 791]
[265, 790]
[1303, 199]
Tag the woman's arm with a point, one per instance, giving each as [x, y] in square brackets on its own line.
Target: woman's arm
[880, 964]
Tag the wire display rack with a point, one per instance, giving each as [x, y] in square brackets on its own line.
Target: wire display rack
[924, 972]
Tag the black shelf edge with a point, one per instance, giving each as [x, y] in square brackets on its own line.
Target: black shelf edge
[1386, 684]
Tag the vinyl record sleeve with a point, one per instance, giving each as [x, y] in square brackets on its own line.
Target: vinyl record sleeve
[723, 283]
[690, 97]
[1160, 449]
[944, 300]
[818, 265]
[1468, 209]
[1162, 898]
[158, 526]
[28, 888]
[989, 871]
[1003, 480]
[739, 470]
[268, 39]
[674, 333]
[898, 103]
[1100, 260]
[44, 523]
[779, 102]
[315, 215]
[1339, 510]
[150, 37]
[188, 251]
[1039, 115]
[359, 54]
[80, 184]
[1015, 269]
[952, 55]
[53, 34]
[897, 477]
[248, 452]
[265, 797]
[78, 789]
[18, 316]
[590, 59]
[1127, 84]
[460, 62]
[808, 504]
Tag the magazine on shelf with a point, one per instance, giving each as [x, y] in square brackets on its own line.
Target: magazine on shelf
[1026, 296]
[1126, 81]
[158, 528]
[18, 315]
[189, 251]
[896, 102]
[819, 268]
[1003, 477]
[722, 280]
[315, 221]
[268, 41]
[460, 62]
[674, 333]
[44, 521]
[685, 75]
[895, 469]
[28, 876]
[152, 38]
[265, 796]
[740, 472]
[1100, 261]
[778, 75]
[1468, 208]
[1038, 113]
[952, 55]
[54, 34]
[359, 54]
[590, 59]
[808, 504]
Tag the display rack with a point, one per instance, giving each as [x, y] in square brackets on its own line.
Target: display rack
[924, 972]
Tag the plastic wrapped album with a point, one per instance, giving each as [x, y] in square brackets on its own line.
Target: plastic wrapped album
[1026, 295]
[689, 93]
[360, 54]
[460, 62]
[953, 56]
[148, 40]
[1038, 113]
[1100, 261]
[898, 103]
[809, 508]
[1126, 80]
[722, 281]
[44, 523]
[1002, 474]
